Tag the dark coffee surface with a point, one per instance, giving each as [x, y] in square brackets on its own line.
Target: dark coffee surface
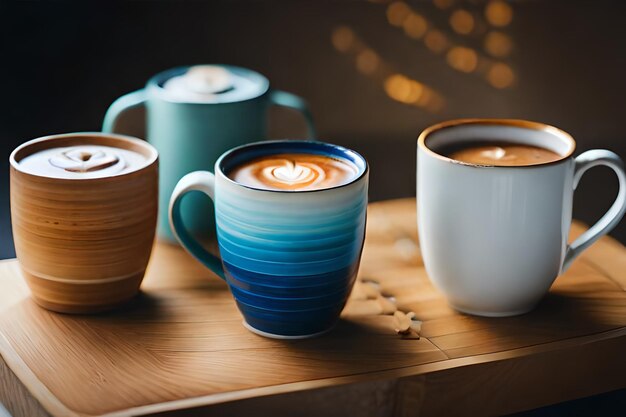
[500, 154]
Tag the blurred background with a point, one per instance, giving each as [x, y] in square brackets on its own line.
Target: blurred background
[374, 72]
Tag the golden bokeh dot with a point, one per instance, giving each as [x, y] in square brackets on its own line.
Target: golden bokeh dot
[397, 12]
[462, 59]
[499, 13]
[342, 38]
[434, 102]
[462, 22]
[436, 41]
[403, 89]
[398, 87]
[500, 75]
[415, 26]
[498, 44]
[426, 97]
[367, 61]
[408, 91]
[415, 91]
[443, 4]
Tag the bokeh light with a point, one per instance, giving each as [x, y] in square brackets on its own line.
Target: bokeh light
[462, 22]
[498, 44]
[431, 101]
[415, 26]
[398, 87]
[500, 75]
[443, 4]
[498, 13]
[415, 91]
[342, 38]
[397, 12]
[436, 41]
[462, 59]
[367, 61]
[403, 89]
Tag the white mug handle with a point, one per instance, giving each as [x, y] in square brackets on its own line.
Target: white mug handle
[610, 219]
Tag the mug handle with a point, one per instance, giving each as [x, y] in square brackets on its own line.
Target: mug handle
[610, 219]
[203, 181]
[292, 101]
[120, 106]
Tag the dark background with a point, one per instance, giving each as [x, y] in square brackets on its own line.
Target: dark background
[63, 63]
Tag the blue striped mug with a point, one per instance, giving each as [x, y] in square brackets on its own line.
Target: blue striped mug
[290, 258]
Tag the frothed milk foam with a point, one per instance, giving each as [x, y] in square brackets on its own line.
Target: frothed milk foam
[294, 172]
[500, 154]
[199, 83]
[82, 162]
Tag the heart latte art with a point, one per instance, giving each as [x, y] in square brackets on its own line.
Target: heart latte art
[86, 160]
[294, 172]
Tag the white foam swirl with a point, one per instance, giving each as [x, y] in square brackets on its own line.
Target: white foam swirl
[85, 159]
[497, 154]
[199, 82]
[294, 173]
[82, 162]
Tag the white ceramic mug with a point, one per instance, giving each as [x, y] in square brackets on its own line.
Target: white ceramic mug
[494, 238]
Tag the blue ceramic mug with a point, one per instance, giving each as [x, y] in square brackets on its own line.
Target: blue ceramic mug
[290, 258]
[194, 114]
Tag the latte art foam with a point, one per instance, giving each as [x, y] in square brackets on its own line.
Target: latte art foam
[81, 159]
[82, 162]
[201, 82]
[500, 154]
[294, 172]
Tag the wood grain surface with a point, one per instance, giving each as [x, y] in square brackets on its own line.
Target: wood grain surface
[179, 348]
[84, 244]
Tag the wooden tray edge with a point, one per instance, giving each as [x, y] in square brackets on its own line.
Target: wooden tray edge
[56, 408]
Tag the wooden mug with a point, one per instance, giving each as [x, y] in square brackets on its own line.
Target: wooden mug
[83, 244]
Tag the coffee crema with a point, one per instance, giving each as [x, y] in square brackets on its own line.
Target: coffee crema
[82, 162]
[294, 172]
[500, 154]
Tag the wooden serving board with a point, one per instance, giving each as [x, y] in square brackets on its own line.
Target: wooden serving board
[181, 345]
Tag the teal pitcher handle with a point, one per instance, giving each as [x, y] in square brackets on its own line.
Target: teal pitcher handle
[202, 181]
[292, 101]
[121, 105]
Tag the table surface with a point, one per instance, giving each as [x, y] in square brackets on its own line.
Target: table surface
[180, 347]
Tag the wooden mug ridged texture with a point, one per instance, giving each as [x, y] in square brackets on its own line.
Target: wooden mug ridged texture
[84, 245]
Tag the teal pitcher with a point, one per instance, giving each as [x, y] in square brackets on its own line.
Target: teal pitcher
[195, 114]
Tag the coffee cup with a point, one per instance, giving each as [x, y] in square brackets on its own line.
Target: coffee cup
[83, 212]
[494, 235]
[290, 221]
[194, 114]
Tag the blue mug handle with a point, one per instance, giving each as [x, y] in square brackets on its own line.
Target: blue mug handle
[120, 106]
[202, 181]
[292, 101]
